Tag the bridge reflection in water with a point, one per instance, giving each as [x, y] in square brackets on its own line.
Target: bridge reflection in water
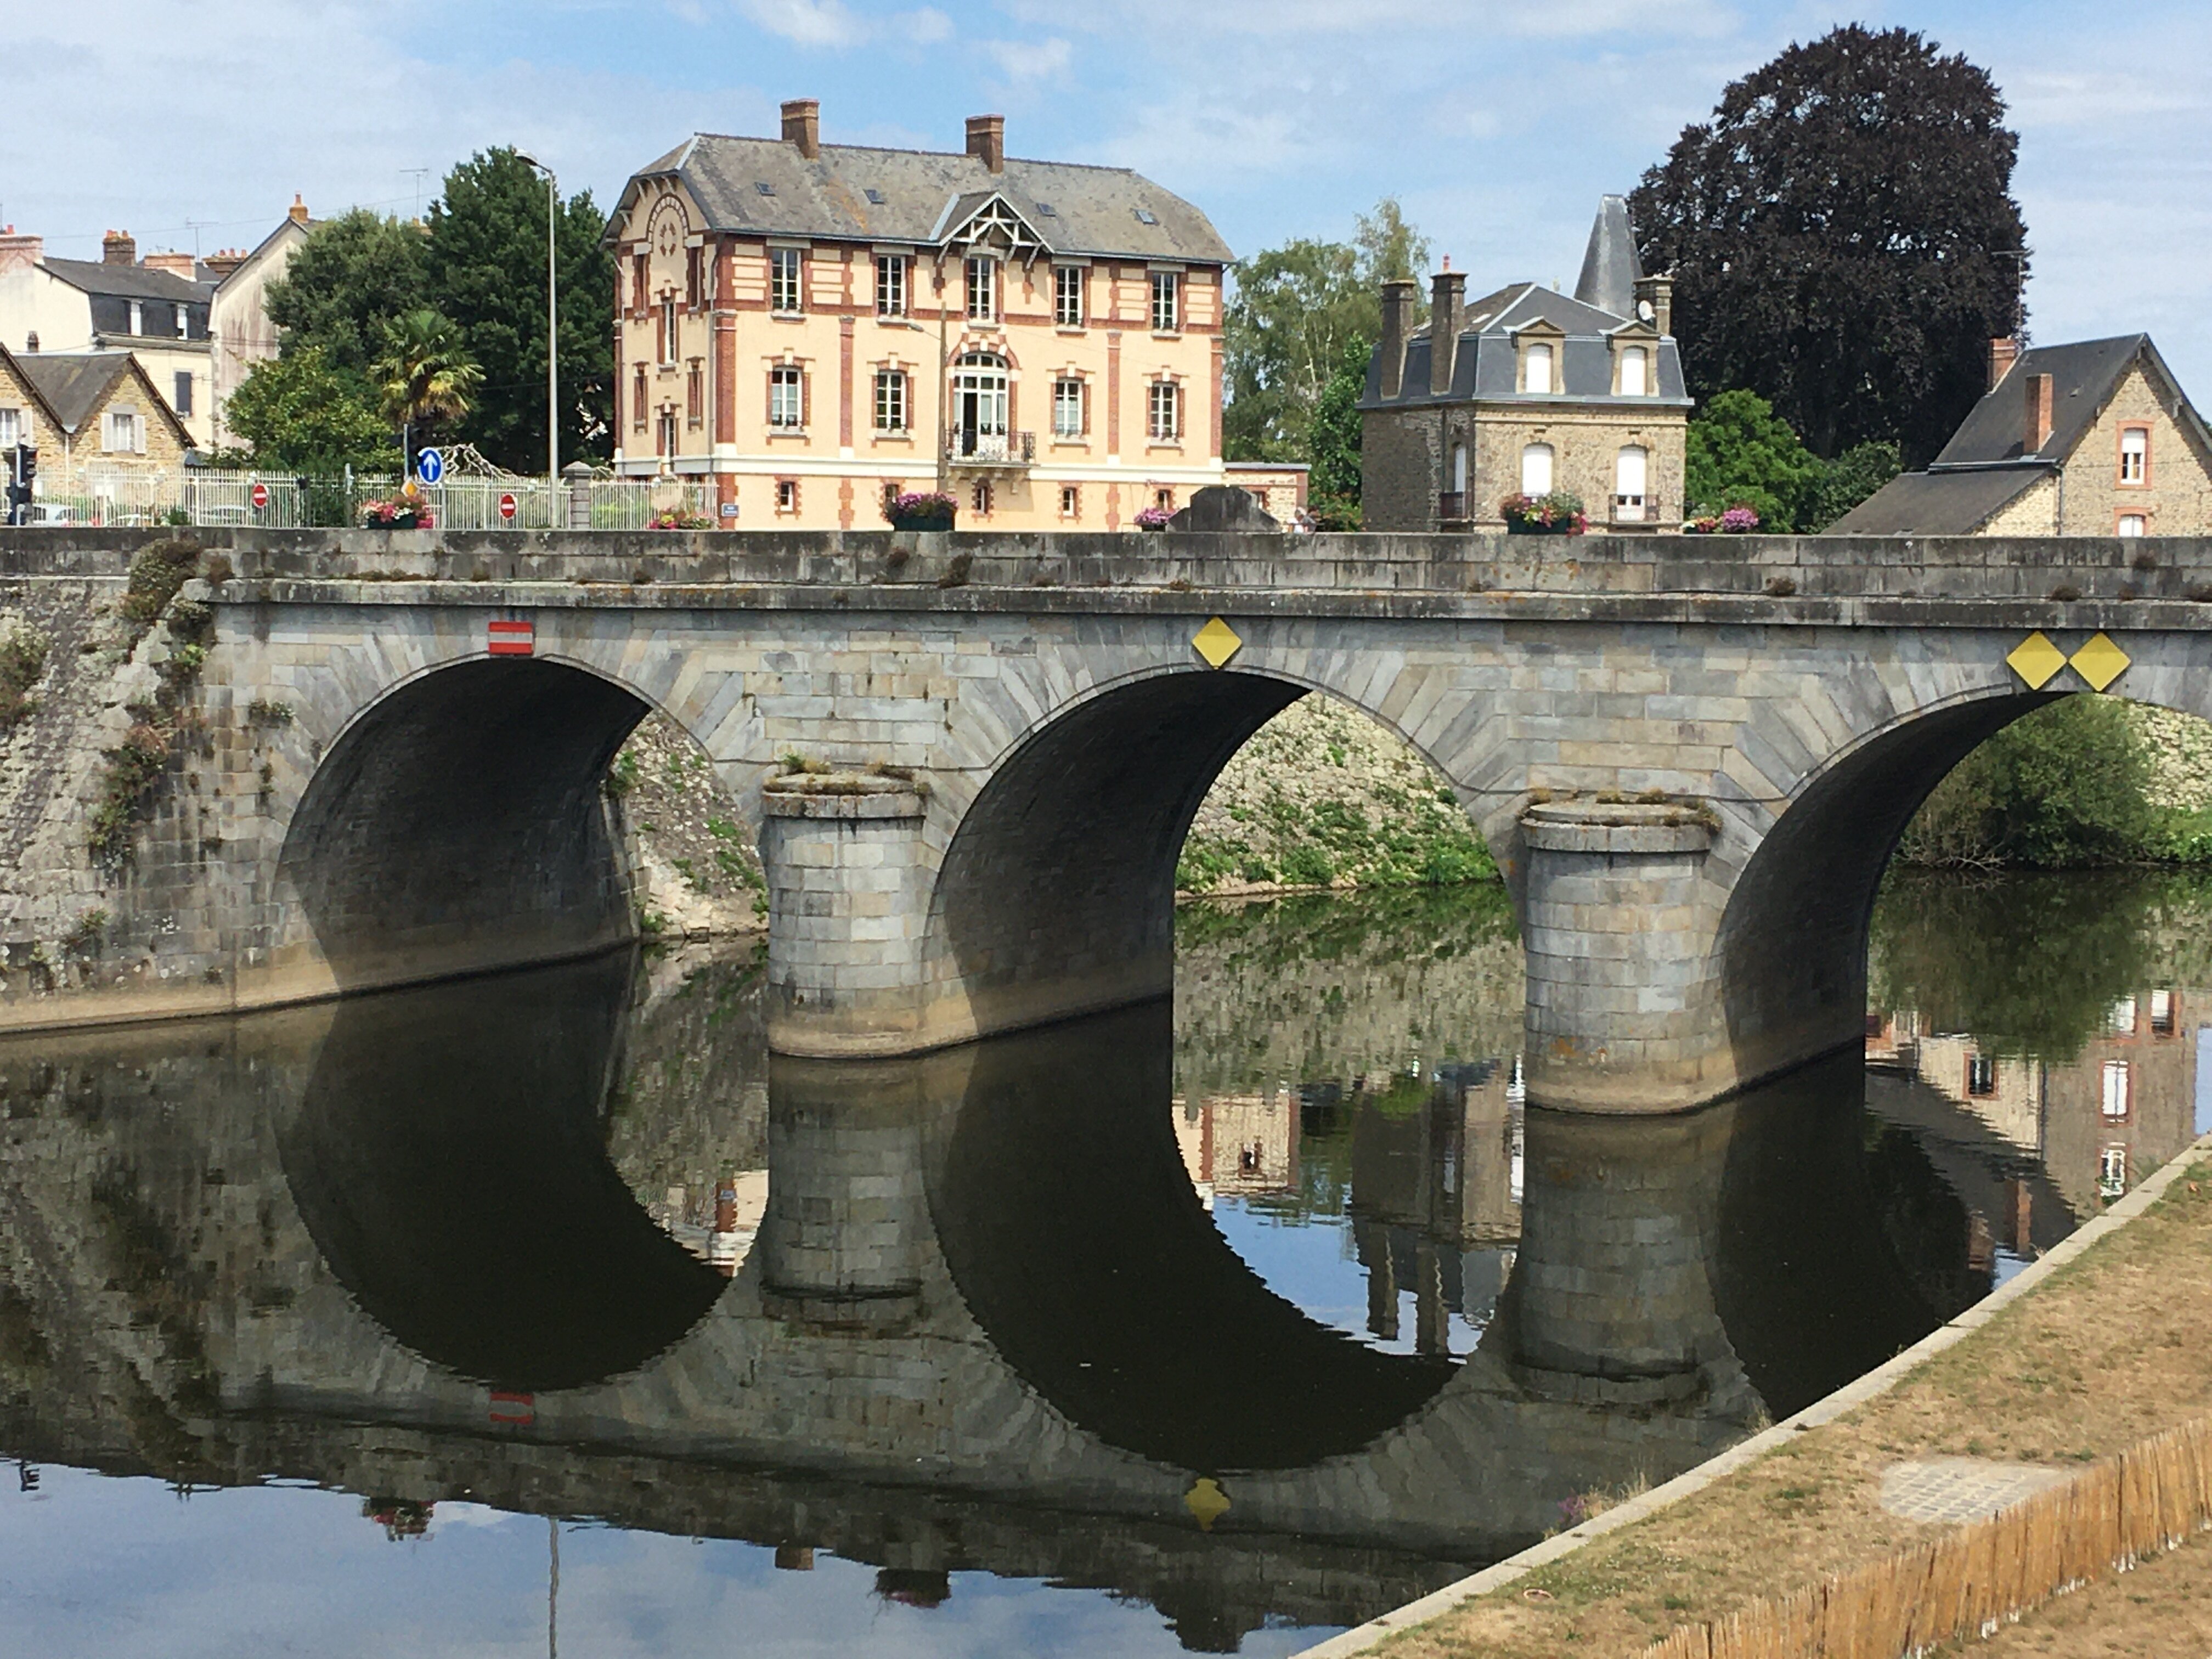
[412, 1246]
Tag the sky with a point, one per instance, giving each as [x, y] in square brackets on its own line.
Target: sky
[192, 122]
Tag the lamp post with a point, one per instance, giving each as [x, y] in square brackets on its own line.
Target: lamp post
[552, 327]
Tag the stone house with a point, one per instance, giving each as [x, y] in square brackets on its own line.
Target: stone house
[156, 310]
[238, 315]
[809, 327]
[91, 416]
[1529, 391]
[2091, 438]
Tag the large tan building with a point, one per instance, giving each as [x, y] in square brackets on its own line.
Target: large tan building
[1529, 391]
[2091, 438]
[811, 326]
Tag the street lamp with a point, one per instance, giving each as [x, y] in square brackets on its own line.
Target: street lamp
[552, 328]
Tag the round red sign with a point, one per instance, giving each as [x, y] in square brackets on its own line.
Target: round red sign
[507, 506]
[260, 496]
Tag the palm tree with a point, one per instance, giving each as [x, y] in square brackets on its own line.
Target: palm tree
[425, 375]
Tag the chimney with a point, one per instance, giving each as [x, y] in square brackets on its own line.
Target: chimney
[224, 263]
[802, 126]
[118, 248]
[177, 265]
[2003, 353]
[987, 141]
[2038, 432]
[1658, 293]
[297, 213]
[20, 252]
[1398, 299]
[1447, 309]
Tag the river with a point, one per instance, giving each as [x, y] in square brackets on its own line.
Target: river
[547, 1310]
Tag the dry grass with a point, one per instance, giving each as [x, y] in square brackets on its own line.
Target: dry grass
[2105, 1354]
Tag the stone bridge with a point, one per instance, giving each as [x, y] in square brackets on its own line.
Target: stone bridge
[1691, 757]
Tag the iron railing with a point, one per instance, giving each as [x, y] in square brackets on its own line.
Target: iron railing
[966, 448]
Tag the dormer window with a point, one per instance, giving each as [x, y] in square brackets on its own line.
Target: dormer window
[137, 318]
[1536, 367]
[2135, 454]
[1635, 372]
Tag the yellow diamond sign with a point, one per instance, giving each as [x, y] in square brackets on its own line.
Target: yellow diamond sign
[1206, 1502]
[2099, 662]
[1217, 642]
[2035, 659]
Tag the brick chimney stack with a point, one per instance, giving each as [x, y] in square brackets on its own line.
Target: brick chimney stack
[227, 260]
[802, 126]
[177, 265]
[1446, 315]
[297, 213]
[987, 141]
[1658, 292]
[2003, 353]
[117, 247]
[1398, 299]
[20, 252]
[2040, 414]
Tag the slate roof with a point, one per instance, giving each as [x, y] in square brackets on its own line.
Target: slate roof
[128, 281]
[2083, 378]
[1484, 366]
[72, 383]
[1937, 503]
[1077, 209]
[1610, 264]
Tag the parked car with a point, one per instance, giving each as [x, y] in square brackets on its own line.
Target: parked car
[49, 513]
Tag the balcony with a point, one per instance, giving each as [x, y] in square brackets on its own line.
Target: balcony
[1636, 510]
[1451, 505]
[989, 449]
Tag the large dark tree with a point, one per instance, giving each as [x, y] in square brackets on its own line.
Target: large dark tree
[1843, 239]
[486, 263]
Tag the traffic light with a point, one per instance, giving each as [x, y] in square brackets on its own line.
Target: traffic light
[22, 473]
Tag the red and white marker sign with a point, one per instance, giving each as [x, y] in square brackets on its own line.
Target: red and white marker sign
[507, 506]
[510, 639]
[259, 497]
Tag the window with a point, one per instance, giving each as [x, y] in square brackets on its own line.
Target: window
[1536, 374]
[1536, 469]
[182, 403]
[1629, 468]
[2135, 454]
[983, 288]
[637, 399]
[1459, 468]
[691, 278]
[786, 397]
[1071, 501]
[1067, 296]
[890, 284]
[2163, 1020]
[890, 400]
[1165, 421]
[1167, 301]
[2112, 1172]
[980, 497]
[639, 298]
[14, 429]
[1981, 1075]
[1632, 377]
[1163, 500]
[184, 321]
[1068, 407]
[2121, 1020]
[137, 317]
[695, 394]
[667, 329]
[2133, 524]
[121, 433]
[783, 279]
[664, 434]
[2119, 1093]
[786, 495]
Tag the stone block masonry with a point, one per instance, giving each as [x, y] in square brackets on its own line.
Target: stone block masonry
[368, 797]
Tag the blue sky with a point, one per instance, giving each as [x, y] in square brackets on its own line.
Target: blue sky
[1497, 125]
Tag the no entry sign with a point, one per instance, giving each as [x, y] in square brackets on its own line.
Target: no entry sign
[259, 497]
[507, 506]
[507, 638]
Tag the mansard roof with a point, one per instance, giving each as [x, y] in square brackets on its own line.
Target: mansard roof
[852, 192]
[127, 281]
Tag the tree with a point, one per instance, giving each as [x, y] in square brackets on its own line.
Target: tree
[486, 270]
[425, 375]
[1332, 440]
[351, 276]
[2063, 786]
[302, 414]
[1843, 239]
[1296, 308]
[1740, 453]
[1850, 479]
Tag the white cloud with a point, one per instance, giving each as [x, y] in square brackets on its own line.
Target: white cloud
[806, 23]
[1030, 60]
[927, 27]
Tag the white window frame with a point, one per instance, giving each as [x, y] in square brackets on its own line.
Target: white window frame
[1636, 358]
[786, 281]
[980, 497]
[982, 278]
[1071, 296]
[2135, 454]
[1631, 465]
[1167, 302]
[891, 270]
[2133, 524]
[1534, 353]
[2116, 1081]
[137, 318]
[1070, 501]
[668, 339]
[892, 415]
[1539, 469]
[1068, 397]
[1163, 412]
[786, 397]
[2120, 1018]
[2163, 1021]
[14, 429]
[2112, 1172]
[786, 495]
[127, 427]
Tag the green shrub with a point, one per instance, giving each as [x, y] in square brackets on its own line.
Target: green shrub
[23, 662]
[2060, 788]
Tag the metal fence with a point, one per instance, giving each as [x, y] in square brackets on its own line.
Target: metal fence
[280, 501]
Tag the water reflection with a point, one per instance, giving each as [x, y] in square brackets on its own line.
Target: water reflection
[1208, 1327]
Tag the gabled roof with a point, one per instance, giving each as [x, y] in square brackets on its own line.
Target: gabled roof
[285, 226]
[127, 281]
[852, 192]
[30, 385]
[72, 383]
[1938, 503]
